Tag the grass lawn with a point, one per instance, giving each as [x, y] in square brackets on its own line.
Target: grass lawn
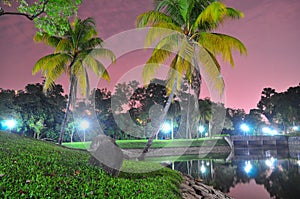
[38, 169]
[140, 144]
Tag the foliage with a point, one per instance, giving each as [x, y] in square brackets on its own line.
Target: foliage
[281, 109]
[37, 114]
[36, 169]
[51, 16]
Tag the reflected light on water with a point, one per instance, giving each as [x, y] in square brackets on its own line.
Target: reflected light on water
[248, 167]
[202, 169]
[270, 162]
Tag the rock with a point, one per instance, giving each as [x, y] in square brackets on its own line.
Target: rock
[106, 154]
[192, 188]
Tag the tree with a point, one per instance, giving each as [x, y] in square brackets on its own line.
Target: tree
[74, 53]
[40, 112]
[265, 105]
[190, 36]
[236, 116]
[50, 16]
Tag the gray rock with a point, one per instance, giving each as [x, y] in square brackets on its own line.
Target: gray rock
[106, 154]
[191, 188]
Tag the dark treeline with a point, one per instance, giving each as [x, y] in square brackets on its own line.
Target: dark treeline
[39, 114]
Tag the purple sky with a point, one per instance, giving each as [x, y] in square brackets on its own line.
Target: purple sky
[269, 30]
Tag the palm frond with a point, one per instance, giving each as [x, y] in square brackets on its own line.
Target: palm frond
[97, 67]
[103, 53]
[173, 75]
[47, 39]
[158, 57]
[222, 44]
[50, 61]
[92, 43]
[234, 13]
[214, 15]
[176, 9]
[209, 70]
[83, 80]
[53, 74]
[64, 45]
[167, 39]
[150, 18]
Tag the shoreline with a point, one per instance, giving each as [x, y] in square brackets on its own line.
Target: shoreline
[177, 151]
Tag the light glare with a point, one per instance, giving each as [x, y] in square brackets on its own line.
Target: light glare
[84, 125]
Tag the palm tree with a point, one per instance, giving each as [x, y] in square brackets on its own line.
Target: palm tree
[76, 51]
[191, 25]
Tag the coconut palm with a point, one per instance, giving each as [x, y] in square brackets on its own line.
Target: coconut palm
[192, 40]
[74, 53]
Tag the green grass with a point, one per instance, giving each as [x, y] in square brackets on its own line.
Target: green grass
[139, 144]
[37, 169]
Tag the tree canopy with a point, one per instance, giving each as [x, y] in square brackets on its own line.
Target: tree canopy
[51, 16]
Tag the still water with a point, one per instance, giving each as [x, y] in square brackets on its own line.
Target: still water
[247, 178]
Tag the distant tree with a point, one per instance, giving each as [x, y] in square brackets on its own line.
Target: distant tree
[50, 16]
[266, 105]
[74, 53]
[281, 109]
[255, 121]
[237, 117]
[41, 112]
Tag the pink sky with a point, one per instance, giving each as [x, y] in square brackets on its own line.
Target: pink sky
[269, 30]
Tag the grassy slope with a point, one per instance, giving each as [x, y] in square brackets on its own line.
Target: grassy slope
[139, 144]
[36, 169]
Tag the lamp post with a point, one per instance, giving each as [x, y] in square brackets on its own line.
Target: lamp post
[83, 126]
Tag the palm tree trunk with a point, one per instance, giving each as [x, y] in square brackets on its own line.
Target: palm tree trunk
[162, 118]
[66, 116]
[187, 127]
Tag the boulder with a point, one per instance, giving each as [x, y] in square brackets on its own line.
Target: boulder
[106, 154]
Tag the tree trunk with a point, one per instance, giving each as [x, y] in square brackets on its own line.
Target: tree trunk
[187, 125]
[162, 118]
[66, 116]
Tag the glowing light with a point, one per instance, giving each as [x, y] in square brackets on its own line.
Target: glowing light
[201, 129]
[10, 124]
[245, 128]
[166, 127]
[295, 128]
[248, 166]
[268, 130]
[84, 125]
[202, 169]
[270, 162]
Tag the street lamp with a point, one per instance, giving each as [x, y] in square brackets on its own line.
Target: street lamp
[83, 126]
[245, 128]
[201, 129]
[166, 128]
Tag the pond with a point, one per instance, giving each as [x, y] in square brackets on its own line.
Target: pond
[245, 178]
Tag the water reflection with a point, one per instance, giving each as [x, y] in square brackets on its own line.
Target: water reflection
[279, 177]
